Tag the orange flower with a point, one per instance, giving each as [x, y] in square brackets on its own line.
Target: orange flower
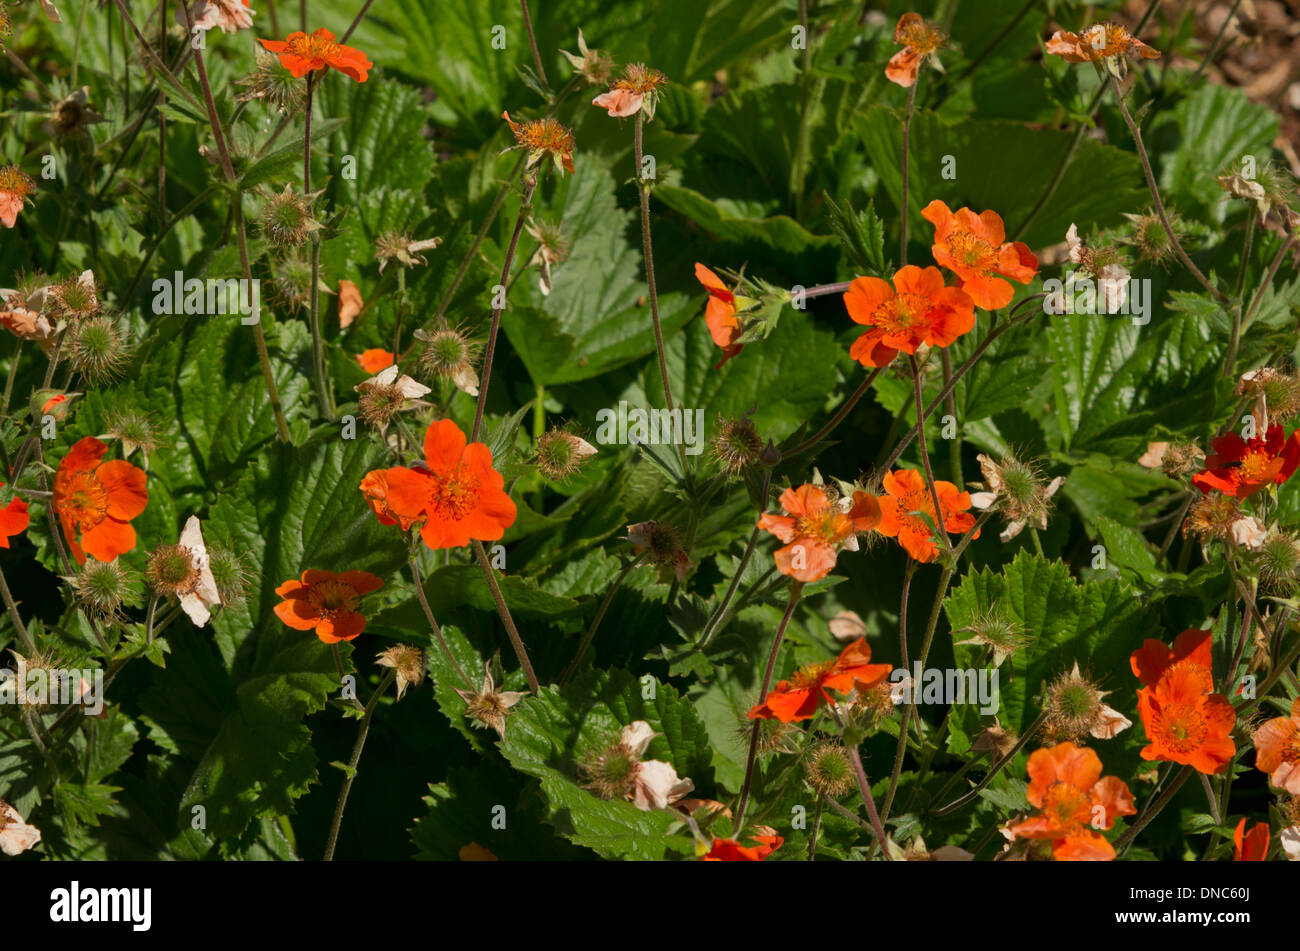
[1241, 467]
[97, 500]
[974, 247]
[542, 137]
[799, 697]
[1154, 658]
[374, 486]
[15, 186]
[919, 40]
[917, 309]
[13, 519]
[1250, 846]
[326, 603]
[301, 54]
[1073, 801]
[906, 492]
[1102, 41]
[815, 528]
[1277, 750]
[374, 360]
[1186, 722]
[729, 850]
[456, 490]
[720, 315]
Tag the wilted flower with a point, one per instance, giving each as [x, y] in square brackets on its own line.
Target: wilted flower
[663, 546]
[16, 836]
[227, 15]
[997, 631]
[1018, 491]
[182, 571]
[1277, 750]
[72, 116]
[489, 706]
[408, 662]
[1074, 708]
[542, 138]
[1175, 459]
[637, 91]
[618, 772]
[592, 65]
[386, 394]
[1106, 43]
[552, 248]
[15, 186]
[395, 246]
[1277, 394]
[919, 40]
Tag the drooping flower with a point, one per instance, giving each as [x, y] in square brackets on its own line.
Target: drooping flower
[456, 489]
[16, 836]
[301, 54]
[906, 492]
[720, 314]
[636, 91]
[1073, 801]
[326, 603]
[1241, 467]
[1277, 750]
[1185, 721]
[917, 309]
[14, 519]
[73, 115]
[815, 528]
[729, 850]
[1250, 846]
[15, 186]
[799, 697]
[541, 138]
[488, 705]
[974, 247]
[97, 500]
[919, 39]
[1096, 43]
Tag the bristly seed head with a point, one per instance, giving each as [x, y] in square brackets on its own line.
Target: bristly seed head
[103, 587]
[561, 453]
[171, 571]
[230, 572]
[273, 84]
[737, 445]
[97, 350]
[828, 770]
[287, 219]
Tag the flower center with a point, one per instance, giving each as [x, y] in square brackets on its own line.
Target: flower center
[918, 501]
[828, 526]
[810, 677]
[1256, 466]
[900, 313]
[972, 251]
[1064, 803]
[331, 597]
[86, 499]
[919, 38]
[453, 495]
[1183, 727]
[313, 47]
[15, 182]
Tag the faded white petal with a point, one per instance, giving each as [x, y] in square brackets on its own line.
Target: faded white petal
[637, 736]
[657, 785]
